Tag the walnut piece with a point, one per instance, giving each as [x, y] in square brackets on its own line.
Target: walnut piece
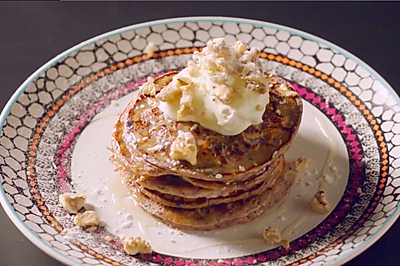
[302, 164]
[149, 88]
[224, 93]
[169, 93]
[184, 148]
[284, 90]
[186, 102]
[150, 49]
[272, 236]
[135, 245]
[88, 218]
[192, 68]
[71, 202]
[319, 203]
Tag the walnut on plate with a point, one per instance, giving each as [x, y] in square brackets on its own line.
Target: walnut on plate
[87, 218]
[135, 245]
[71, 202]
[319, 203]
[272, 236]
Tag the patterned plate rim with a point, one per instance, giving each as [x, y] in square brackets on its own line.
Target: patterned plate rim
[32, 236]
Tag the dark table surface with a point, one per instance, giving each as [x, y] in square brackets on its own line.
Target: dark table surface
[33, 33]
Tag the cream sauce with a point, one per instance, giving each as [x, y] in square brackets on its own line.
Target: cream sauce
[333, 148]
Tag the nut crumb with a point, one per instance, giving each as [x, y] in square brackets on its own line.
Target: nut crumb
[359, 190]
[241, 168]
[149, 88]
[220, 261]
[150, 49]
[184, 147]
[218, 176]
[135, 245]
[71, 202]
[272, 236]
[114, 102]
[88, 218]
[319, 203]
[302, 164]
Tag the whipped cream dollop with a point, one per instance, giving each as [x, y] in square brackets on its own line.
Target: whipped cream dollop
[223, 88]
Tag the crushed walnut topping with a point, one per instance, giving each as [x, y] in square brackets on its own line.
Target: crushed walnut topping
[149, 88]
[224, 88]
[184, 148]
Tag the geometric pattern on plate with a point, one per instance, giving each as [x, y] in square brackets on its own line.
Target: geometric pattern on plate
[47, 109]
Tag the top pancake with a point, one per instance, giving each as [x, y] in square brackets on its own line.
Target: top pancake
[148, 135]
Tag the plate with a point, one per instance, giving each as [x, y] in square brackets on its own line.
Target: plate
[56, 128]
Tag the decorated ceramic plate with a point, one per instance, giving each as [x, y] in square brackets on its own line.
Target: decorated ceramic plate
[56, 128]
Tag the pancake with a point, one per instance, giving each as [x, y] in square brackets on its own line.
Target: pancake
[195, 188]
[174, 200]
[236, 178]
[147, 132]
[221, 215]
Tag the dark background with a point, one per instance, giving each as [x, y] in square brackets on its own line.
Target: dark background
[31, 33]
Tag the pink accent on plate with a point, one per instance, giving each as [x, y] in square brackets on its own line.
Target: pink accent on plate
[250, 260]
[90, 111]
[331, 111]
[351, 137]
[356, 157]
[341, 124]
[355, 150]
[323, 105]
[104, 100]
[346, 130]
[316, 100]
[168, 260]
[180, 262]
[96, 106]
[262, 258]
[157, 258]
[238, 262]
[337, 117]
[310, 96]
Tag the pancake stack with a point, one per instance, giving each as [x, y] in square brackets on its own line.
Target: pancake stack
[236, 178]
